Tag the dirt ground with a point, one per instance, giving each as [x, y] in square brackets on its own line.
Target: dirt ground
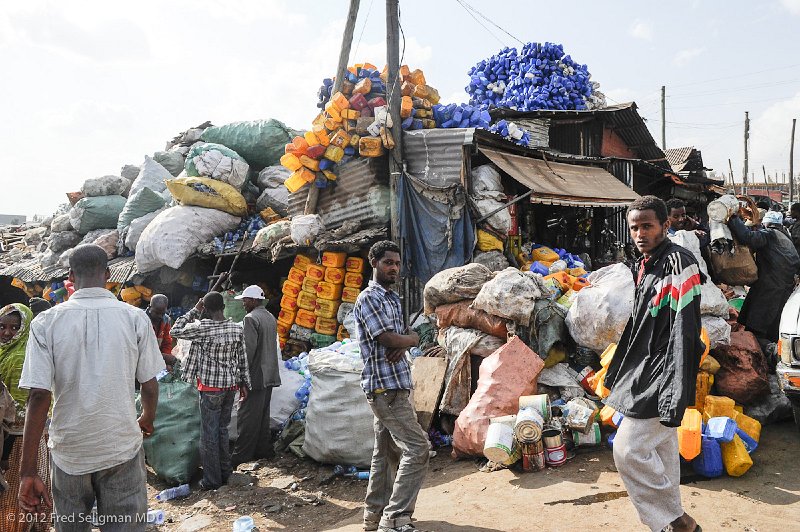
[585, 493]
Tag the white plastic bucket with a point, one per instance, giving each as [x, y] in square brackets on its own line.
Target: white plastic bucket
[499, 445]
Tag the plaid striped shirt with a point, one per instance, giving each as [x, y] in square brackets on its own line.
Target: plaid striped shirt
[217, 355]
[378, 311]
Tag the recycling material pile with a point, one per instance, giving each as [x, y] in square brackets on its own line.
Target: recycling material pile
[356, 122]
[317, 302]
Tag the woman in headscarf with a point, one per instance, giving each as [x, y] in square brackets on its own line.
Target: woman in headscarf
[15, 325]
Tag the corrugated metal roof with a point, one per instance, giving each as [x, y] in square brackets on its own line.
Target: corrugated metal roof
[678, 157]
[564, 184]
[361, 193]
[122, 269]
[623, 118]
[31, 271]
[436, 156]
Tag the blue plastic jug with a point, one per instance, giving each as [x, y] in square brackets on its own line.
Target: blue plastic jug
[749, 443]
[722, 429]
[709, 462]
[541, 269]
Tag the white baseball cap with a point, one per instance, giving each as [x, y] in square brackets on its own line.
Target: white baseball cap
[252, 291]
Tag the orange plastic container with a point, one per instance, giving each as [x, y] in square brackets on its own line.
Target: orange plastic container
[363, 86]
[433, 95]
[330, 175]
[407, 88]
[342, 333]
[351, 114]
[340, 138]
[311, 138]
[544, 254]
[290, 288]
[326, 326]
[579, 283]
[296, 276]
[283, 328]
[307, 301]
[310, 285]
[299, 179]
[751, 426]
[311, 164]
[703, 386]
[301, 262]
[329, 291]
[316, 272]
[690, 434]
[349, 294]
[718, 406]
[334, 275]
[289, 303]
[370, 147]
[334, 259]
[334, 112]
[326, 308]
[333, 153]
[322, 134]
[606, 416]
[354, 264]
[331, 124]
[306, 318]
[319, 120]
[340, 101]
[421, 91]
[576, 272]
[563, 278]
[297, 147]
[417, 77]
[405, 106]
[353, 280]
[290, 161]
[735, 457]
[287, 316]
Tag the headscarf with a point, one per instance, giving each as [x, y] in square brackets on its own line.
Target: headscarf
[12, 354]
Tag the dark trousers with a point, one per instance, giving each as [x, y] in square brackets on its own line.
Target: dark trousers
[215, 415]
[255, 440]
[120, 491]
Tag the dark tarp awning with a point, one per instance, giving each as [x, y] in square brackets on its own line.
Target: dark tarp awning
[564, 184]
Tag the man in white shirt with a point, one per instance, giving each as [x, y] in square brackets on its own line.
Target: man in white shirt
[86, 353]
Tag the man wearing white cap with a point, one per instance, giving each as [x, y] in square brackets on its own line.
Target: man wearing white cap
[261, 345]
[778, 264]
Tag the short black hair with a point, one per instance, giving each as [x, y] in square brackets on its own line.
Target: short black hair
[650, 203]
[795, 207]
[213, 301]
[675, 203]
[379, 249]
[88, 259]
[38, 305]
[154, 301]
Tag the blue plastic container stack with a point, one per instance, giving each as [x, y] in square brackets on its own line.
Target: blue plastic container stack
[709, 462]
[300, 365]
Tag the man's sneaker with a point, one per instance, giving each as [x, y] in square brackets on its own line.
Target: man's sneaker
[403, 528]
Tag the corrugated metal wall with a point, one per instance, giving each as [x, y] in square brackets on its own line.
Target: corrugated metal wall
[578, 139]
[436, 156]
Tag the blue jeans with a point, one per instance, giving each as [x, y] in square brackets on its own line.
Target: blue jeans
[215, 415]
[120, 491]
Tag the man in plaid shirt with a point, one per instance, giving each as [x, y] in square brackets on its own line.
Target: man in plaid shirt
[386, 380]
[218, 361]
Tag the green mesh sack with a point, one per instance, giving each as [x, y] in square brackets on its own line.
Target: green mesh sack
[260, 142]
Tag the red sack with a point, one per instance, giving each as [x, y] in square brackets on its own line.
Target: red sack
[743, 373]
[460, 315]
[505, 375]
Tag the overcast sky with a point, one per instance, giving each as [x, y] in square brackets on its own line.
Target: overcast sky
[89, 86]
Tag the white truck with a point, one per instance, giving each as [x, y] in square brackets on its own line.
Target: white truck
[789, 352]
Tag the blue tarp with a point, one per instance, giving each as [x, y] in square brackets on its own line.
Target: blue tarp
[435, 226]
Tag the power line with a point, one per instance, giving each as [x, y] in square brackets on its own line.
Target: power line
[785, 67]
[732, 103]
[490, 21]
[481, 23]
[734, 89]
[363, 27]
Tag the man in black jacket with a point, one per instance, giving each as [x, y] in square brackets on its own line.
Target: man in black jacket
[653, 373]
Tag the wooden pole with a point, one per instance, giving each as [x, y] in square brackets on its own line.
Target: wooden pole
[663, 117]
[791, 164]
[746, 150]
[341, 69]
[393, 99]
[730, 167]
[764, 170]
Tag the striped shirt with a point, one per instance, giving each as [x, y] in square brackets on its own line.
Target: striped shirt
[377, 311]
[216, 357]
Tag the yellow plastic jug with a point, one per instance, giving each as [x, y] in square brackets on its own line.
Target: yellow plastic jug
[333, 112]
[334, 259]
[307, 301]
[351, 114]
[363, 86]
[329, 291]
[417, 77]
[326, 326]
[322, 134]
[326, 308]
[340, 101]
[334, 275]
[316, 272]
[299, 178]
[287, 316]
[311, 164]
[544, 254]
[370, 147]
[354, 264]
[283, 328]
[719, 406]
[735, 457]
[703, 386]
[296, 275]
[290, 288]
[340, 139]
[290, 161]
[311, 138]
[332, 124]
[489, 242]
[306, 318]
[406, 105]
[349, 294]
[690, 434]
[301, 262]
[330, 175]
[310, 285]
[289, 303]
[342, 333]
[407, 88]
[333, 153]
[606, 416]
[751, 426]
[353, 280]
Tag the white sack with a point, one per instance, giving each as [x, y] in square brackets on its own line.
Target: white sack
[511, 295]
[599, 312]
[152, 175]
[134, 231]
[61, 223]
[108, 185]
[719, 330]
[712, 300]
[283, 402]
[305, 229]
[217, 165]
[175, 234]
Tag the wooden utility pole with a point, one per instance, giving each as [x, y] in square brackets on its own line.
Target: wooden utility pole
[393, 99]
[663, 117]
[791, 164]
[746, 150]
[730, 167]
[764, 170]
[341, 70]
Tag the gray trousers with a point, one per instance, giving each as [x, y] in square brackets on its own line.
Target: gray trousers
[120, 491]
[399, 443]
[646, 456]
[254, 440]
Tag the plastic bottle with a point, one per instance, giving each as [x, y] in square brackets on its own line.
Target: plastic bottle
[155, 517]
[340, 470]
[709, 462]
[174, 493]
[243, 524]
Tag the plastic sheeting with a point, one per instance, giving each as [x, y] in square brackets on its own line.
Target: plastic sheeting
[436, 227]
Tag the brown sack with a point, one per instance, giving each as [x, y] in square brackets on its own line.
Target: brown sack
[460, 315]
[743, 369]
[455, 284]
[505, 375]
[737, 268]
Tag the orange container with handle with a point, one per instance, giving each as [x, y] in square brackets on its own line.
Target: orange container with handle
[719, 406]
[342, 333]
[703, 387]
[287, 317]
[291, 288]
[296, 276]
[334, 259]
[751, 426]
[350, 294]
[690, 434]
[353, 280]
[301, 262]
[310, 285]
[290, 161]
[283, 328]
[354, 264]
[307, 301]
[334, 275]
[580, 283]
[316, 272]
[326, 326]
[298, 179]
[306, 318]
[735, 457]
[289, 303]
[327, 290]
[326, 308]
[321, 134]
